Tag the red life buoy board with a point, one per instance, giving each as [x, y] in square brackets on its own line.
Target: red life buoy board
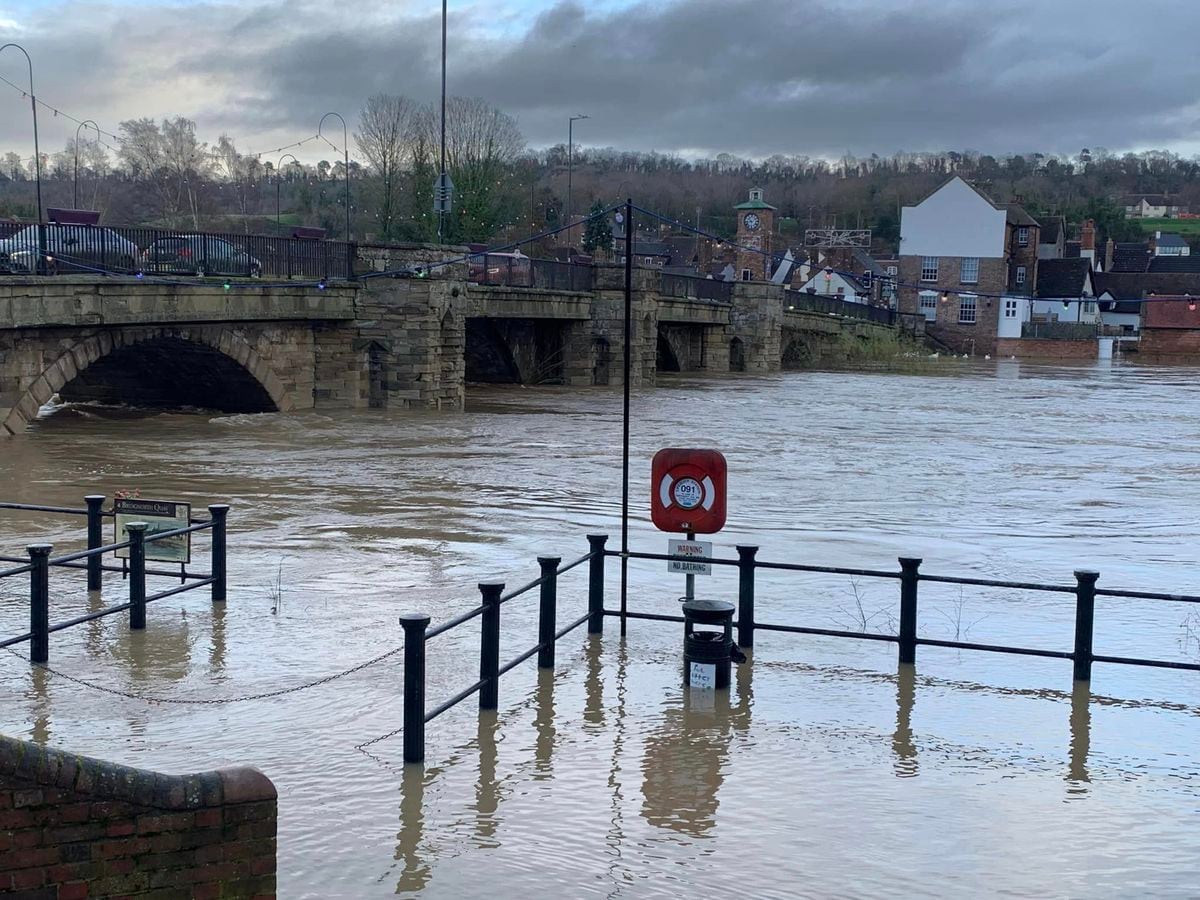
[687, 490]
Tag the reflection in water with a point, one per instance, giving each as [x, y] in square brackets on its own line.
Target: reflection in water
[543, 722]
[593, 709]
[687, 755]
[416, 871]
[487, 788]
[216, 647]
[40, 732]
[1081, 738]
[902, 741]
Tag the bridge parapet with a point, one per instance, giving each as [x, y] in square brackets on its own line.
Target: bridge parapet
[95, 301]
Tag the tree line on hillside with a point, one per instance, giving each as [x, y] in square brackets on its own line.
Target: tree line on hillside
[162, 173]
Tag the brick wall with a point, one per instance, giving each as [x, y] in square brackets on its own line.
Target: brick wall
[1034, 348]
[1169, 341]
[73, 827]
[993, 277]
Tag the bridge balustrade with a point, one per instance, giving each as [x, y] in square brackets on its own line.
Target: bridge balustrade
[693, 287]
[510, 270]
[835, 306]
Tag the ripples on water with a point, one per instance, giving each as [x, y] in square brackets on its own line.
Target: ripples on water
[827, 772]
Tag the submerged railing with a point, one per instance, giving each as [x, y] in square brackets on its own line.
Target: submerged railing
[417, 634]
[39, 562]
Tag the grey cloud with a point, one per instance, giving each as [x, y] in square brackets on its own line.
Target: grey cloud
[817, 77]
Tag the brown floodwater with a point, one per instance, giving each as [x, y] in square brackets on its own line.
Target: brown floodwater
[827, 770]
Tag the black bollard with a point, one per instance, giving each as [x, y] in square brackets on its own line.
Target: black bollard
[414, 625]
[489, 645]
[909, 577]
[746, 554]
[95, 538]
[596, 583]
[137, 574]
[1085, 613]
[546, 616]
[219, 513]
[39, 602]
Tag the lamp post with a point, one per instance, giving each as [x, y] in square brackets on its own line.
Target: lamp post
[346, 170]
[442, 171]
[278, 167]
[37, 155]
[75, 200]
[570, 164]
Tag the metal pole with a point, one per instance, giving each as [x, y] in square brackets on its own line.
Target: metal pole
[489, 645]
[549, 599]
[596, 583]
[37, 156]
[909, 578]
[137, 574]
[1085, 610]
[689, 580]
[414, 625]
[346, 162]
[95, 538]
[39, 602]
[219, 513]
[75, 201]
[278, 166]
[442, 178]
[570, 167]
[746, 554]
[625, 416]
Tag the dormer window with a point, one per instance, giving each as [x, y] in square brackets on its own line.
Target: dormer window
[756, 194]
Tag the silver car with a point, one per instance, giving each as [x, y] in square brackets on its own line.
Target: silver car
[68, 248]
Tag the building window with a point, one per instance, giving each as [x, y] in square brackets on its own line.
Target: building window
[966, 309]
[745, 274]
[928, 304]
[1023, 236]
[929, 268]
[1020, 275]
[892, 270]
[1010, 309]
[1089, 307]
[970, 270]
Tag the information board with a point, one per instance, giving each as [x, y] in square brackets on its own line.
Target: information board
[689, 551]
[159, 516]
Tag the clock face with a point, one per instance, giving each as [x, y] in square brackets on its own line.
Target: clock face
[751, 221]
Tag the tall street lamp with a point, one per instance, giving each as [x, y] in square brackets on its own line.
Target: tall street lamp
[442, 172]
[570, 162]
[75, 201]
[37, 152]
[278, 168]
[346, 150]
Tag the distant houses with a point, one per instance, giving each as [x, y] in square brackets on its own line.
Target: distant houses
[1153, 206]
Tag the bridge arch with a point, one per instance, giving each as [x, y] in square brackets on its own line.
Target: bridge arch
[206, 367]
[797, 352]
[670, 354]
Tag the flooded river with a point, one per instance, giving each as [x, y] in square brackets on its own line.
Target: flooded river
[828, 771]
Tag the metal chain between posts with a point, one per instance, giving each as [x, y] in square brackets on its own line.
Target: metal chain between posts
[216, 701]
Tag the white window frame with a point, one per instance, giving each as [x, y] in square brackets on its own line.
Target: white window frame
[963, 309]
[929, 264]
[1023, 236]
[1010, 309]
[927, 303]
[892, 270]
[746, 275]
[969, 270]
[1021, 272]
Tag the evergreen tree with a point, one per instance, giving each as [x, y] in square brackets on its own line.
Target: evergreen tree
[597, 237]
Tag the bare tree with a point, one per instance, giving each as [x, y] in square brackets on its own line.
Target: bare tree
[387, 131]
[170, 159]
[240, 172]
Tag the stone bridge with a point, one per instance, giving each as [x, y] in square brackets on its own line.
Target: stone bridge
[380, 342]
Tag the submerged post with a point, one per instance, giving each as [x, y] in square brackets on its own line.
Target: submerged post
[414, 625]
[909, 577]
[489, 645]
[746, 554]
[137, 574]
[95, 538]
[549, 599]
[596, 583]
[39, 602]
[218, 512]
[1085, 613]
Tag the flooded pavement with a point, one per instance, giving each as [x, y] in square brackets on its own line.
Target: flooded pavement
[828, 771]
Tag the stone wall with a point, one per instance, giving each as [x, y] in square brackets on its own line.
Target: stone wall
[73, 827]
[1174, 342]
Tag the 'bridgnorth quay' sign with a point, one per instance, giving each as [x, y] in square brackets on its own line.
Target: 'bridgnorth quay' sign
[159, 516]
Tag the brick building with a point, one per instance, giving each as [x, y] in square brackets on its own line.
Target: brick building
[960, 253]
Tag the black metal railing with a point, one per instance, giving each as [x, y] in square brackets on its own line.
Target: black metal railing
[835, 306]
[417, 635]
[38, 563]
[1061, 331]
[693, 287]
[907, 636]
[509, 270]
[128, 250]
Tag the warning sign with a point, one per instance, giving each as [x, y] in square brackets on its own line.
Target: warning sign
[689, 552]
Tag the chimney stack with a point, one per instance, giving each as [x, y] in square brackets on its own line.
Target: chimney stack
[1087, 236]
[1109, 252]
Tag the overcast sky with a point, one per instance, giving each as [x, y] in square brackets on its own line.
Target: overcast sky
[750, 77]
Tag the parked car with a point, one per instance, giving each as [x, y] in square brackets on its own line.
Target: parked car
[68, 248]
[199, 254]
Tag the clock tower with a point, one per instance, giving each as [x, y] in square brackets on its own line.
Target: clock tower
[755, 224]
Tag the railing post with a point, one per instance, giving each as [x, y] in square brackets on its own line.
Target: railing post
[39, 602]
[219, 512]
[549, 599]
[746, 554]
[596, 583]
[137, 574]
[489, 645]
[95, 538]
[1085, 609]
[414, 625]
[908, 608]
